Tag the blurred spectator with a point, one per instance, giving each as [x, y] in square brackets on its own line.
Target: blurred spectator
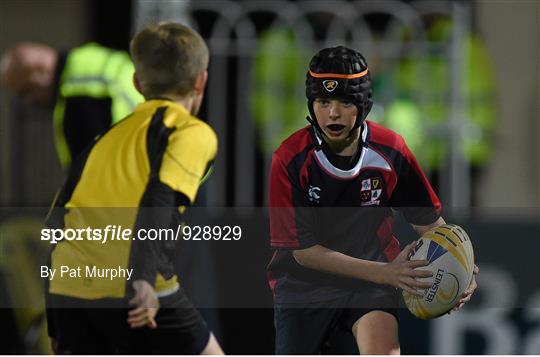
[278, 100]
[421, 90]
[89, 88]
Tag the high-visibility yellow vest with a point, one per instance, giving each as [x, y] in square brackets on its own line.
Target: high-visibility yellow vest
[98, 72]
[278, 99]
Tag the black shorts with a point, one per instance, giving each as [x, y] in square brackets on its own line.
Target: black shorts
[307, 330]
[82, 329]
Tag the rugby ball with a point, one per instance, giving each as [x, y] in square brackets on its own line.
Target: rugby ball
[451, 260]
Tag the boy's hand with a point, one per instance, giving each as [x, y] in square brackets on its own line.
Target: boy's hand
[400, 272]
[147, 305]
[467, 294]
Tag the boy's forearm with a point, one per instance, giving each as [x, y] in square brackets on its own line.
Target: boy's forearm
[324, 259]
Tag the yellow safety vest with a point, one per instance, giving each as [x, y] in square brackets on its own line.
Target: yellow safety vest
[98, 72]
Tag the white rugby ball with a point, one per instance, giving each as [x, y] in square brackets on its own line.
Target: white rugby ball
[451, 259]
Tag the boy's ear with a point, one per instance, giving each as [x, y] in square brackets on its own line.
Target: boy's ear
[200, 82]
[137, 83]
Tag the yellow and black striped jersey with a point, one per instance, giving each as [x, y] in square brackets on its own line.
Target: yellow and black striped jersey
[159, 145]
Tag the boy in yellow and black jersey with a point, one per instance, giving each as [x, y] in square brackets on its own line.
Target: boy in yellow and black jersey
[141, 174]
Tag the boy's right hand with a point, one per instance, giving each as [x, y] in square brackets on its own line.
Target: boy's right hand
[400, 272]
[146, 306]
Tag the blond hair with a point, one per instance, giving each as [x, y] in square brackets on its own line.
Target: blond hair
[168, 57]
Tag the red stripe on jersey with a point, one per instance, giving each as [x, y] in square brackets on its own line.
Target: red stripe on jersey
[282, 215]
[294, 144]
[416, 167]
[272, 281]
[304, 176]
[388, 244]
[392, 251]
[281, 210]
[390, 177]
[385, 136]
[381, 135]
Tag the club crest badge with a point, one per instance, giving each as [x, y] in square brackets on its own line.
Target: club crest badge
[371, 191]
[330, 85]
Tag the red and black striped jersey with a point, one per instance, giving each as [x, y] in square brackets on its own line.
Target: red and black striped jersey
[350, 211]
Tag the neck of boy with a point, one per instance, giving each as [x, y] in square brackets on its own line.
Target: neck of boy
[187, 101]
[346, 147]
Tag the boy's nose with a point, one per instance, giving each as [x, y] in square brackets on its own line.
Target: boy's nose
[334, 111]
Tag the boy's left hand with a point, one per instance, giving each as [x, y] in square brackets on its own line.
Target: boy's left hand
[467, 294]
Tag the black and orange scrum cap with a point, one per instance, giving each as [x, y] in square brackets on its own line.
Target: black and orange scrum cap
[340, 72]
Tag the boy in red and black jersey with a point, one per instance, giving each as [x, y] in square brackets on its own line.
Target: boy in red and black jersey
[333, 186]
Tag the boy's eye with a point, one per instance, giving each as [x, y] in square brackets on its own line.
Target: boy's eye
[323, 102]
[346, 103]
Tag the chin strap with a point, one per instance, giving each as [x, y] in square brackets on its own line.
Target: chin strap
[317, 131]
[316, 126]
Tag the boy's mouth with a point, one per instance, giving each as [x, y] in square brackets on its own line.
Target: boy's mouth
[335, 129]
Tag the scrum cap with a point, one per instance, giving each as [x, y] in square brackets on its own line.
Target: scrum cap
[339, 72]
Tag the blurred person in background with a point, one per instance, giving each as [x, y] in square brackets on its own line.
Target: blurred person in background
[88, 88]
[276, 99]
[417, 101]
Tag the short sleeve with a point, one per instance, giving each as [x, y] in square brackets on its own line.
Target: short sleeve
[413, 194]
[291, 220]
[189, 155]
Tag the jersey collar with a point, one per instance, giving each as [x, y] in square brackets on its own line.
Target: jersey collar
[157, 102]
[323, 161]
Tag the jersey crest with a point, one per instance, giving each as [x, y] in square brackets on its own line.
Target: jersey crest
[371, 191]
